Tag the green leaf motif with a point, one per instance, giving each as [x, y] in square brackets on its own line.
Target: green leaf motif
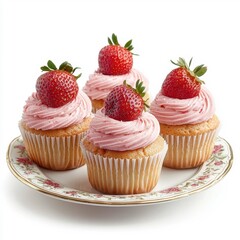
[130, 48]
[78, 76]
[197, 72]
[128, 44]
[66, 66]
[51, 65]
[184, 63]
[45, 68]
[109, 41]
[196, 69]
[174, 63]
[190, 62]
[201, 72]
[114, 39]
[139, 89]
[75, 69]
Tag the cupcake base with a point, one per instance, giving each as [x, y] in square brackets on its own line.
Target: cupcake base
[111, 174]
[54, 153]
[188, 151]
[57, 149]
[189, 146]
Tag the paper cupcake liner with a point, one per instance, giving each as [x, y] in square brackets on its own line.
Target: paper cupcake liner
[54, 153]
[189, 151]
[123, 176]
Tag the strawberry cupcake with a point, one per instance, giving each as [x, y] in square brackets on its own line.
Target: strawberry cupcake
[186, 113]
[55, 118]
[115, 65]
[123, 148]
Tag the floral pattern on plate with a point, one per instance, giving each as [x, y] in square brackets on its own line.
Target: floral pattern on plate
[213, 170]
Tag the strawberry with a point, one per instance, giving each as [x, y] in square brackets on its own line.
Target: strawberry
[57, 87]
[125, 103]
[183, 83]
[115, 59]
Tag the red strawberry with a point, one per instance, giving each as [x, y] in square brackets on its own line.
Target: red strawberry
[115, 59]
[125, 103]
[57, 87]
[183, 83]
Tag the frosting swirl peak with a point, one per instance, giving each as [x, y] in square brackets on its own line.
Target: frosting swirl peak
[99, 85]
[108, 133]
[173, 111]
[39, 116]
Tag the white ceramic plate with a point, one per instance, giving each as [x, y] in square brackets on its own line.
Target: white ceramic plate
[73, 185]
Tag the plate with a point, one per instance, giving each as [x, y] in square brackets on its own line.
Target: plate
[73, 185]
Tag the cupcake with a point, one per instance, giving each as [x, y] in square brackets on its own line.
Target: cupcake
[55, 118]
[123, 148]
[115, 65]
[186, 113]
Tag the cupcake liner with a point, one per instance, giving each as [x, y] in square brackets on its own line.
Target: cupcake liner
[189, 151]
[123, 176]
[54, 153]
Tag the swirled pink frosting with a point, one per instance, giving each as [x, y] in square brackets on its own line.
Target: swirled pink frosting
[173, 111]
[39, 116]
[108, 133]
[99, 85]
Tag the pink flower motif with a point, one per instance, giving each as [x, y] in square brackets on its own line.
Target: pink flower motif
[194, 185]
[21, 148]
[25, 161]
[217, 148]
[170, 190]
[51, 183]
[218, 163]
[203, 177]
[72, 193]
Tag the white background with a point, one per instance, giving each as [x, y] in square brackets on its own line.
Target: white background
[34, 31]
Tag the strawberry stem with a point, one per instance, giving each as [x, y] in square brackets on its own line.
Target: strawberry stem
[65, 66]
[139, 89]
[197, 72]
[128, 44]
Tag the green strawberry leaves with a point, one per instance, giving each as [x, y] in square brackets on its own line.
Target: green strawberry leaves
[200, 70]
[197, 72]
[139, 89]
[114, 41]
[50, 66]
[65, 66]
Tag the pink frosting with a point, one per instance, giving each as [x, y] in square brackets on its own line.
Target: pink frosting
[39, 116]
[99, 85]
[173, 111]
[111, 134]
